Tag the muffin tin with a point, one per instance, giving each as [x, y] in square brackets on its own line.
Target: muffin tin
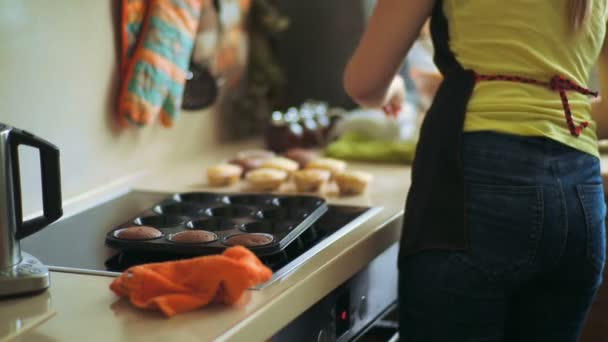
[272, 220]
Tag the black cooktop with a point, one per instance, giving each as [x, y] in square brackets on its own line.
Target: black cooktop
[76, 243]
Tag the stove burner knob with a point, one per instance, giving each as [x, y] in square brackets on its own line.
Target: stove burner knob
[323, 336]
[362, 307]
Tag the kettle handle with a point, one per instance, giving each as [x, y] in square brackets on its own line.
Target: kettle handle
[51, 182]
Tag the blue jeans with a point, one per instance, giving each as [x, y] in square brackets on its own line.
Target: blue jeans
[536, 229]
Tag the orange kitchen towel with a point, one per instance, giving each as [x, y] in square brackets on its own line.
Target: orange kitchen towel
[185, 285]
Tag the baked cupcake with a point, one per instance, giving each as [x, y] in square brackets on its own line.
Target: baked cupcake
[335, 166]
[193, 236]
[281, 163]
[257, 154]
[266, 179]
[250, 239]
[224, 174]
[352, 182]
[247, 164]
[311, 180]
[138, 233]
[301, 156]
[251, 159]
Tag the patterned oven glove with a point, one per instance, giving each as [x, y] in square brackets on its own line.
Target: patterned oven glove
[157, 41]
[133, 12]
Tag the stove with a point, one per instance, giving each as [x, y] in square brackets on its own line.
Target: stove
[76, 244]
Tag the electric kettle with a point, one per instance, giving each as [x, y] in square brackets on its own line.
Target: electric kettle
[21, 273]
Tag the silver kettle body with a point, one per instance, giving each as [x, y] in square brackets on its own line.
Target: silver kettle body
[20, 272]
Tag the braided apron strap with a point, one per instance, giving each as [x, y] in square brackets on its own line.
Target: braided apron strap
[558, 84]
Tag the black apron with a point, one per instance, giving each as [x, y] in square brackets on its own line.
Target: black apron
[435, 215]
[435, 209]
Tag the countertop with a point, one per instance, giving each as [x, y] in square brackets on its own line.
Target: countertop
[81, 307]
[85, 309]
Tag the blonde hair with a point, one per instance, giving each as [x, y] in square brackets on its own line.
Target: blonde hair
[578, 12]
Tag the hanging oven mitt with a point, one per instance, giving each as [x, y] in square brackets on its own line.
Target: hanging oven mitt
[185, 285]
[133, 12]
[154, 69]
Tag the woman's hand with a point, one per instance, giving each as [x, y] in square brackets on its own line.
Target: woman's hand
[394, 97]
[369, 78]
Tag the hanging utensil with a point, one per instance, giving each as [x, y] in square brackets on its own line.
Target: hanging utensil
[202, 86]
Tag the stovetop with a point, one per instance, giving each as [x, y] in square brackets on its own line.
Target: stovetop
[76, 243]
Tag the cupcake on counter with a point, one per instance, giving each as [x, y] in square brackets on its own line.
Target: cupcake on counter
[335, 166]
[247, 164]
[311, 180]
[301, 156]
[281, 163]
[266, 179]
[353, 182]
[224, 174]
[258, 154]
[251, 159]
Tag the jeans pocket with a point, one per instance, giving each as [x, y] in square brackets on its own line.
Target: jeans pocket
[505, 226]
[594, 208]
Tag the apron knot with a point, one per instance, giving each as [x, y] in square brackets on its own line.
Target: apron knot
[559, 83]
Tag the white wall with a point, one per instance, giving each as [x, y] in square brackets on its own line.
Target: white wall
[58, 78]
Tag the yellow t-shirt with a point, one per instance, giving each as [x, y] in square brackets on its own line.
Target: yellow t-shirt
[526, 38]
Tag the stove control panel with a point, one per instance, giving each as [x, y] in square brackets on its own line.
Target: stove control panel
[343, 311]
[351, 309]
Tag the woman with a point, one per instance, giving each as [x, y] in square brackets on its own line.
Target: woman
[504, 236]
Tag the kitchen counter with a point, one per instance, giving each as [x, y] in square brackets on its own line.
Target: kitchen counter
[81, 307]
[87, 310]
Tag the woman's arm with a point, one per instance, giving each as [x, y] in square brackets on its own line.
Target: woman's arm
[392, 29]
[599, 107]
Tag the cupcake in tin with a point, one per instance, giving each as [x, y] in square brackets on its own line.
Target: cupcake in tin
[193, 236]
[138, 233]
[249, 240]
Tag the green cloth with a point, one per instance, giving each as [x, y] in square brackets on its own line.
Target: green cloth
[355, 146]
